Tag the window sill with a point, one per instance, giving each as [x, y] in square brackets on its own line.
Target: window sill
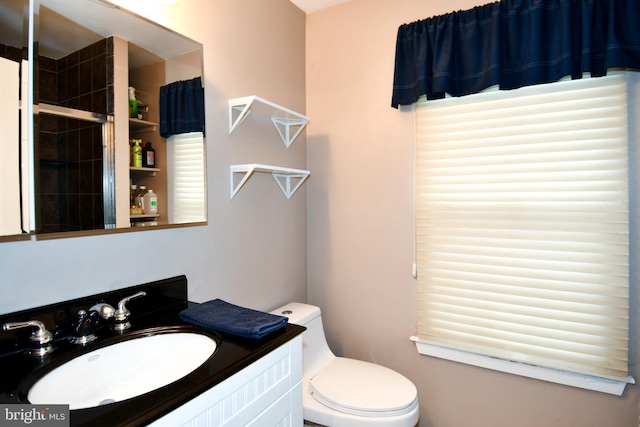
[603, 385]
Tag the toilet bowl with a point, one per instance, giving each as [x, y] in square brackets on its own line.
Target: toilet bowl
[342, 392]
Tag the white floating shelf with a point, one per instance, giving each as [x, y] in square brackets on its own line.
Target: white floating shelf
[289, 124]
[283, 177]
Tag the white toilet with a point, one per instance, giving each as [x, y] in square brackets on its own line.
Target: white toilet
[341, 392]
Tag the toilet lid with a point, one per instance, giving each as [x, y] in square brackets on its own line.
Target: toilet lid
[361, 388]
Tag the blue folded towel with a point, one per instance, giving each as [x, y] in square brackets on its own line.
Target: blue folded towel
[225, 317]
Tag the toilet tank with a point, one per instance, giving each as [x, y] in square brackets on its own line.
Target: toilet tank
[315, 350]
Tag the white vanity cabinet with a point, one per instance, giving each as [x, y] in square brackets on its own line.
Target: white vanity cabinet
[266, 393]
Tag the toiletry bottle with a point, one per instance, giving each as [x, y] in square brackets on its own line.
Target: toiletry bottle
[133, 103]
[150, 204]
[148, 156]
[133, 206]
[136, 154]
[139, 198]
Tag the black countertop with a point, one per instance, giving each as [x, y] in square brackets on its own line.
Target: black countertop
[157, 313]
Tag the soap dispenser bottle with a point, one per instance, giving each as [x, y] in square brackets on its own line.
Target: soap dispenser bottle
[133, 103]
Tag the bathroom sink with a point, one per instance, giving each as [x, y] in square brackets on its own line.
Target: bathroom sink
[123, 370]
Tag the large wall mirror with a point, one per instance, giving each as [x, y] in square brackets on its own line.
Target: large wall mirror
[86, 56]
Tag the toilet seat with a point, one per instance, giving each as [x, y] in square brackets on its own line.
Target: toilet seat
[361, 388]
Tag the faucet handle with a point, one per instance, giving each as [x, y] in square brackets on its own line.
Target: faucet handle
[123, 314]
[40, 339]
[123, 301]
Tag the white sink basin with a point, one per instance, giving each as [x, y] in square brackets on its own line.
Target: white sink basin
[123, 370]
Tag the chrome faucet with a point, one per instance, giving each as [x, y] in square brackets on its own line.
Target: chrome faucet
[105, 310]
[121, 316]
[83, 330]
[41, 339]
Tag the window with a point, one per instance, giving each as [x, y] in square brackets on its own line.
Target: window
[522, 230]
[187, 192]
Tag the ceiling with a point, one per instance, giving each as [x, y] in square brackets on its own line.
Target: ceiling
[312, 5]
[68, 35]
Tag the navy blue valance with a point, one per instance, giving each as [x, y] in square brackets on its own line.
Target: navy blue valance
[182, 107]
[514, 43]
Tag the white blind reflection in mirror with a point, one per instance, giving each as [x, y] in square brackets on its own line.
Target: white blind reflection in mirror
[187, 178]
[522, 215]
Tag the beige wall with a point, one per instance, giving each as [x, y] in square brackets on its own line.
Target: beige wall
[360, 222]
[359, 208]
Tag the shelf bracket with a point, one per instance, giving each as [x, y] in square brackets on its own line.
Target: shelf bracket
[283, 126]
[284, 177]
[243, 111]
[286, 187]
[234, 188]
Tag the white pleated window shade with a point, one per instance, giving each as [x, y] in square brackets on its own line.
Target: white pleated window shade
[522, 218]
[188, 191]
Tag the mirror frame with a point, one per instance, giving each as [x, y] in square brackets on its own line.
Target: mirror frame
[16, 38]
[113, 124]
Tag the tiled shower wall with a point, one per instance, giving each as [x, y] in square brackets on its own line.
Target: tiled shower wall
[69, 152]
[9, 52]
